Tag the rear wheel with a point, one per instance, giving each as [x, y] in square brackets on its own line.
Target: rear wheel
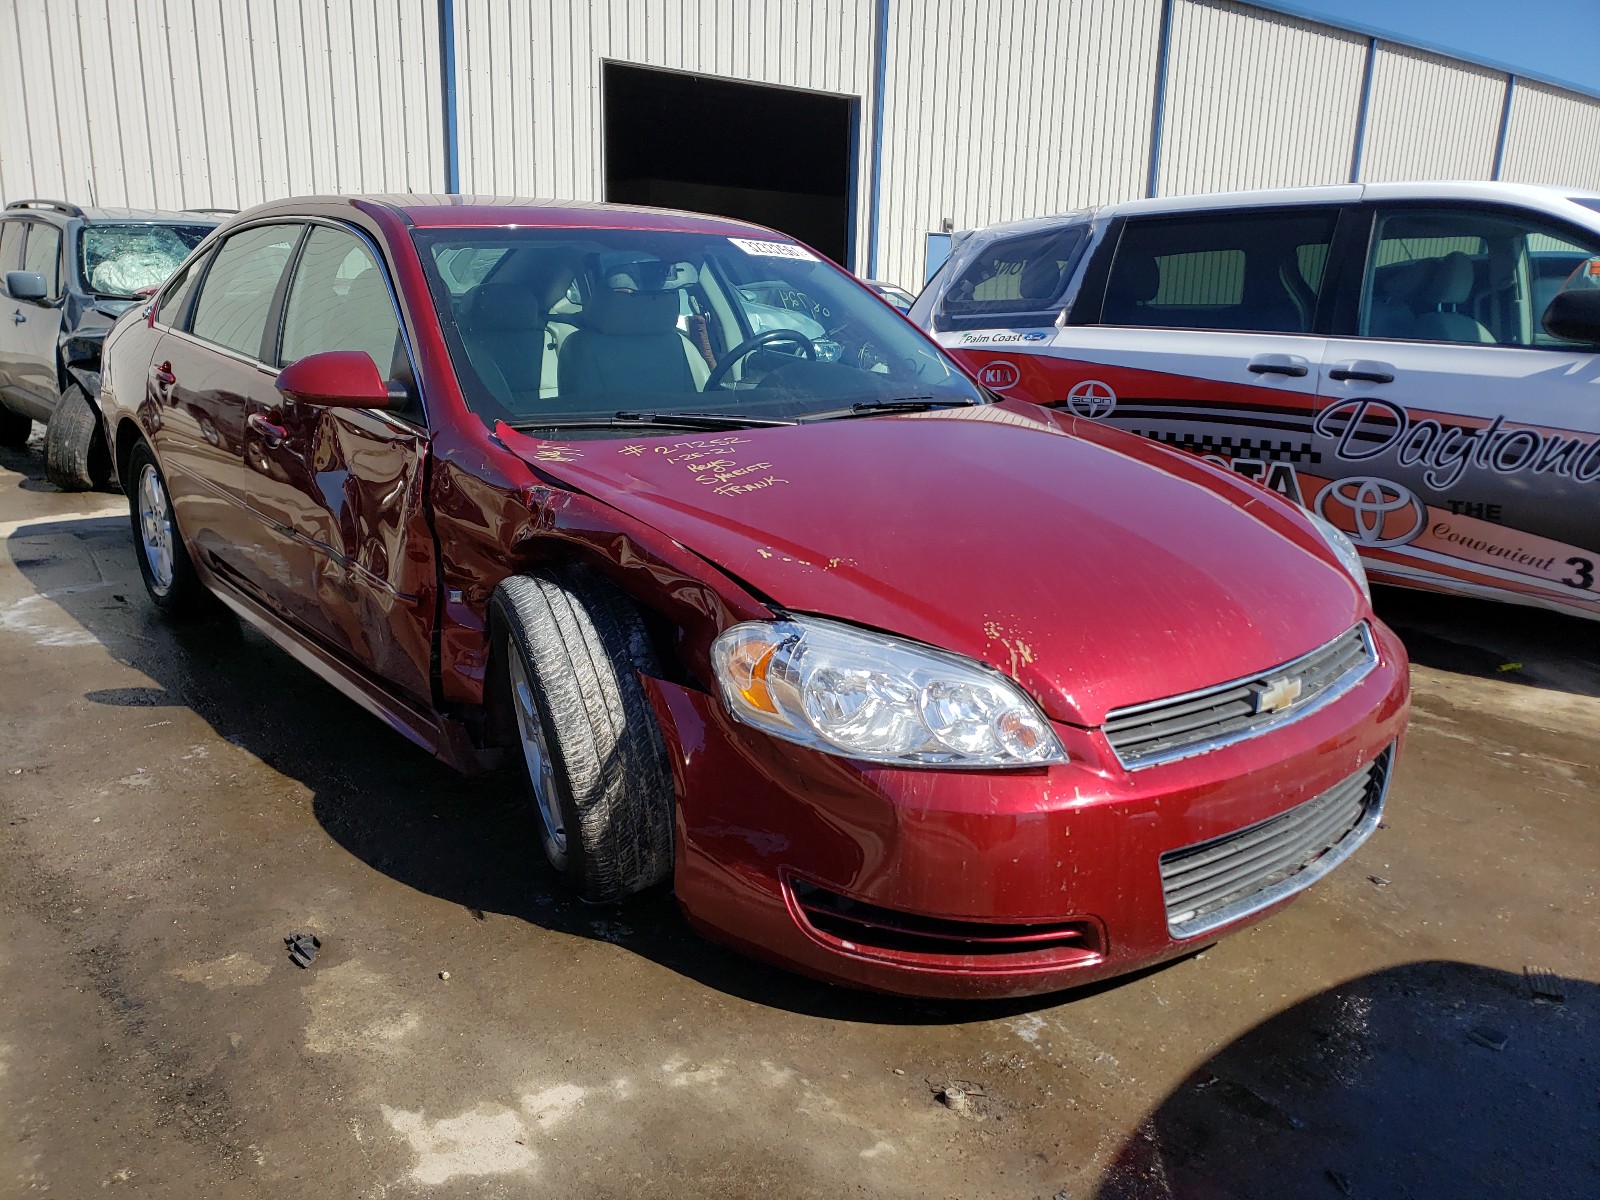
[168, 573]
[15, 429]
[75, 455]
[590, 752]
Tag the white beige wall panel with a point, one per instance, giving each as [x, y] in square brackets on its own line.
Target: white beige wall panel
[218, 103]
[1553, 137]
[1255, 99]
[1010, 109]
[529, 84]
[1431, 117]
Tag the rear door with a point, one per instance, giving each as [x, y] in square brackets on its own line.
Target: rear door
[1459, 442]
[338, 492]
[1202, 331]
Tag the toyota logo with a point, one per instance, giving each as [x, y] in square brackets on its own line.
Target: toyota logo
[1092, 399]
[1381, 512]
[999, 375]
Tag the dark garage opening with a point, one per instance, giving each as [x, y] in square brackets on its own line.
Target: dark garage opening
[774, 156]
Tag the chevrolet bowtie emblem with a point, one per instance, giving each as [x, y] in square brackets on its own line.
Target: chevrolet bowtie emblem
[1278, 695]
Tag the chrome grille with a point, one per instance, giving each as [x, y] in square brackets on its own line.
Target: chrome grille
[1208, 885]
[1143, 735]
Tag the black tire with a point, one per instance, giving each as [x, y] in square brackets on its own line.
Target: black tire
[15, 429]
[75, 455]
[178, 592]
[580, 645]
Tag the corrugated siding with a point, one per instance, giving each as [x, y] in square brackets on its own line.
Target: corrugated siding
[1010, 109]
[528, 77]
[200, 103]
[1554, 137]
[1255, 99]
[1432, 117]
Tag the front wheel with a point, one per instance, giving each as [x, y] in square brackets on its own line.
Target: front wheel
[75, 455]
[591, 755]
[164, 563]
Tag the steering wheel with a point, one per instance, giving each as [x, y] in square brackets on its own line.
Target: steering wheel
[749, 345]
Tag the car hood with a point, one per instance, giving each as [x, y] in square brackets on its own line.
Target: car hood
[1095, 568]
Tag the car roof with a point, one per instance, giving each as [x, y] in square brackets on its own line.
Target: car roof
[93, 214]
[450, 211]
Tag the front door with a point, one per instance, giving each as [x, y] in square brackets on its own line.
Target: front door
[1459, 440]
[36, 326]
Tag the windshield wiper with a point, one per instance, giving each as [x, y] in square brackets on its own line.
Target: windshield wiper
[869, 408]
[627, 419]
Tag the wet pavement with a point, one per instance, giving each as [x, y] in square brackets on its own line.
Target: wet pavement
[174, 802]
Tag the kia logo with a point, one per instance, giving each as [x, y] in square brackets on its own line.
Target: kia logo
[1092, 399]
[999, 375]
[1380, 511]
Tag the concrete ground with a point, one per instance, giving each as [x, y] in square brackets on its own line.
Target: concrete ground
[175, 801]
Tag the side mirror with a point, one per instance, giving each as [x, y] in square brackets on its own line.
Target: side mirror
[1574, 315]
[26, 285]
[338, 379]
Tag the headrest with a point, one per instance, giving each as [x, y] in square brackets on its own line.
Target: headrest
[1403, 280]
[503, 306]
[1135, 280]
[1451, 279]
[631, 314]
[1041, 279]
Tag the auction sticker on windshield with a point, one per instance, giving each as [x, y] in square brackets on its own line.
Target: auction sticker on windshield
[774, 249]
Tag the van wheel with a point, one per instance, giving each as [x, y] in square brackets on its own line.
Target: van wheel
[571, 647]
[75, 455]
[163, 562]
[15, 429]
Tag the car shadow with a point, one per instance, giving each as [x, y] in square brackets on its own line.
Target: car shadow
[1491, 640]
[1432, 1079]
[470, 841]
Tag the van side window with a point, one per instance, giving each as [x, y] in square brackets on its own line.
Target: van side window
[43, 254]
[1021, 277]
[1257, 272]
[11, 233]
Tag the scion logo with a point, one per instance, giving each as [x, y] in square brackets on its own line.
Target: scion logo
[1380, 512]
[1092, 399]
[999, 375]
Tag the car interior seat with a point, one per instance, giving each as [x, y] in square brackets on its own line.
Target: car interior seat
[629, 343]
[1133, 284]
[366, 320]
[1390, 312]
[503, 329]
[1041, 280]
[1448, 284]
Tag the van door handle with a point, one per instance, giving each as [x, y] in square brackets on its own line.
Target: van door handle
[271, 434]
[1278, 364]
[1362, 369]
[17, 318]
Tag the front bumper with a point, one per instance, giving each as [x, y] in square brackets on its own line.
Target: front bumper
[988, 883]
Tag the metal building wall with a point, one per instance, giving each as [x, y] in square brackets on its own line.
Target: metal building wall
[204, 103]
[529, 90]
[1553, 137]
[1010, 109]
[1431, 118]
[1256, 99]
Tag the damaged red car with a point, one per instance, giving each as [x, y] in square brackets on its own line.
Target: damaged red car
[899, 684]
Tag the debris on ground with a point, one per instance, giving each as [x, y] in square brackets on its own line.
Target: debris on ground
[1509, 666]
[1545, 985]
[954, 1098]
[1342, 1182]
[303, 948]
[445, 975]
[1379, 880]
[1492, 1039]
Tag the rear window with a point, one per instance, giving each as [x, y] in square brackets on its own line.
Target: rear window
[132, 260]
[1015, 281]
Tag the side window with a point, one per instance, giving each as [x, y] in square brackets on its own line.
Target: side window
[1017, 277]
[236, 295]
[1255, 271]
[339, 300]
[1464, 276]
[170, 308]
[43, 254]
[11, 233]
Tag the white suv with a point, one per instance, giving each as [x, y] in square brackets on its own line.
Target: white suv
[1418, 363]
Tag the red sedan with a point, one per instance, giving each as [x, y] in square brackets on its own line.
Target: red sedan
[900, 685]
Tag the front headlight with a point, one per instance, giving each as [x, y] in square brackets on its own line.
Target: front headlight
[870, 696]
[1344, 549]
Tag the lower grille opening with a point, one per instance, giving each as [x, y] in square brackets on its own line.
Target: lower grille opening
[869, 927]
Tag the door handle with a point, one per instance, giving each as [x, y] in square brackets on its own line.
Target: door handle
[271, 434]
[17, 318]
[1362, 369]
[1277, 364]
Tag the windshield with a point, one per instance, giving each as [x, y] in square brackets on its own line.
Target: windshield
[129, 260]
[553, 326]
